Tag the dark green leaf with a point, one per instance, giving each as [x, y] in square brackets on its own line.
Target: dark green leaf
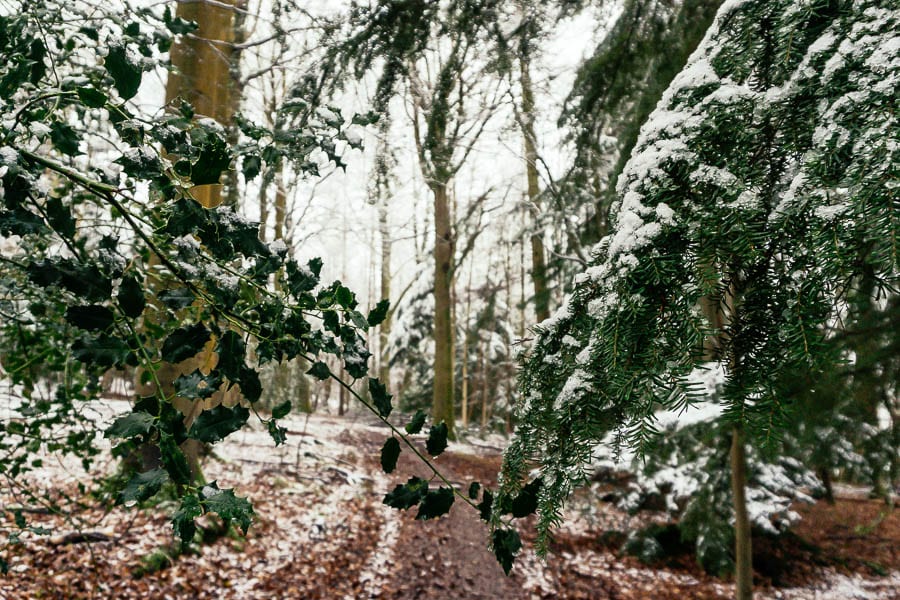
[380, 398]
[91, 97]
[131, 297]
[526, 502]
[436, 503]
[183, 519]
[184, 343]
[143, 486]
[378, 314]
[20, 222]
[174, 461]
[417, 422]
[91, 318]
[474, 488]
[506, 544]
[251, 166]
[60, 218]
[345, 297]
[217, 423]
[486, 505]
[102, 350]
[281, 410]
[176, 24]
[64, 138]
[136, 423]
[214, 159]
[408, 494]
[197, 385]
[177, 298]
[251, 387]
[278, 433]
[126, 76]
[232, 351]
[390, 452]
[437, 439]
[228, 506]
[319, 370]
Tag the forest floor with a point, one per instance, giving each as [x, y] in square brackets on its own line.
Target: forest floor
[321, 532]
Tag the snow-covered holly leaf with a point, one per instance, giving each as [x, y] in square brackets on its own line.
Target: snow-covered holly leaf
[437, 439]
[228, 506]
[277, 432]
[436, 503]
[126, 75]
[390, 452]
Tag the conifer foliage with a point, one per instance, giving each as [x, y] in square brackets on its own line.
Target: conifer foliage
[763, 182]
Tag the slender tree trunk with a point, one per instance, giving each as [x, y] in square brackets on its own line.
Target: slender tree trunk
[443, 405]
[538, 262]
[743, 552]
[384, 330]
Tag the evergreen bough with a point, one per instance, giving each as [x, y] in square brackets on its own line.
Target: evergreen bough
[764, 181]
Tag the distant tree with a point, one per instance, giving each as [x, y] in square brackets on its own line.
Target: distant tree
[766, 180]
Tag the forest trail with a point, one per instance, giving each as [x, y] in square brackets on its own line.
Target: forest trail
[321, 532]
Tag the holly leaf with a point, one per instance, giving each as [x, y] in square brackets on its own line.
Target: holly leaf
[486, 506]
[506, 544]
[143, 486]
[378, 314]
[525, 503]
[380, 398]
[64, 138]
[213, 160]
[228, 506]
[251, 166]
[91, 318]
[319, 370]
[276, 432]
[437, 439]
[345, 297]
[90, 97]
[184, 343]
[436, 503]
[174, 460]
[219, 422]
[131, 297]
[474, 488]
[183, 519]
[282, 410]
[197, 385]
[417, 422]
[102, 350]
[126, 76]
[177, 298]
[407, 495]
[232, 351]
[136, 423]
[390, 452]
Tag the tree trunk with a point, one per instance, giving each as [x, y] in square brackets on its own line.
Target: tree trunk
[384, 330]
[442, 407]
[538, 262]
[743, 554]
[202, 76]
